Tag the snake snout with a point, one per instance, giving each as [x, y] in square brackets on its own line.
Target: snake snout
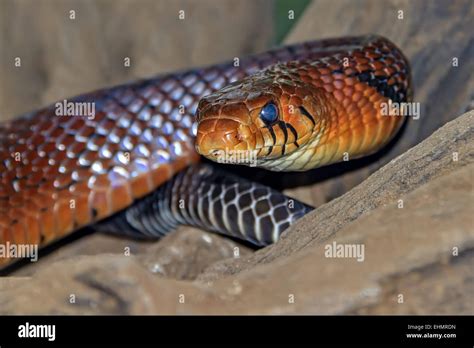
[215, 136]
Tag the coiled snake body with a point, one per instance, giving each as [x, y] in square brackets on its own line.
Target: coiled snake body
[295, 108]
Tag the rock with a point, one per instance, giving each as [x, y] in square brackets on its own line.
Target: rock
[105, 284]
[408, 250]
[92, 244]
[185, 253]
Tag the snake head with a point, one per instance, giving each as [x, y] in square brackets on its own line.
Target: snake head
[260, 119]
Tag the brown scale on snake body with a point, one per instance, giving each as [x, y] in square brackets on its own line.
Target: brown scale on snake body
[60, 173]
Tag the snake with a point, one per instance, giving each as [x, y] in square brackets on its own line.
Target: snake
[135, 168]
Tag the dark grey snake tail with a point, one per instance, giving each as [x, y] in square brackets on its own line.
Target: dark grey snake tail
[212, 199]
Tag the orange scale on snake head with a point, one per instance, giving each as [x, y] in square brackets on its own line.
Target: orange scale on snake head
[295, 101]
[259, 140]
[301, 126]
[287, 88]
[285, 100]
[246, 135]
[239, 112]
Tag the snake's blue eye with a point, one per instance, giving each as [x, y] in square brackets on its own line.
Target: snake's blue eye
[269, 113]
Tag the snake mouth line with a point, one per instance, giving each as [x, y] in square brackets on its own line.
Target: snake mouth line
[213, 142]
